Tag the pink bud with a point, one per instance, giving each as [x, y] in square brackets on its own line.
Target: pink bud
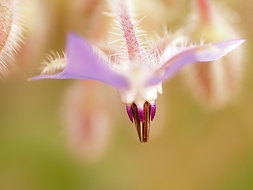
[10, 31]
[86, 113]
[216, 82]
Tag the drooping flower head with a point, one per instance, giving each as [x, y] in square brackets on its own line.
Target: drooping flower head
[135, 68]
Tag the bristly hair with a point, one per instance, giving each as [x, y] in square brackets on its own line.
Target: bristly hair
[11, 28]
[55, 63]
[125, 25]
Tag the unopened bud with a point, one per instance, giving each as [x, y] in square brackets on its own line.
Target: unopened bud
[87, 120]
[214, 82]
[10, 31]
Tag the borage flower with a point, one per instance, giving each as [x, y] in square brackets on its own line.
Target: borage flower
[135, 70]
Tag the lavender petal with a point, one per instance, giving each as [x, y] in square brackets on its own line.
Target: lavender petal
[223, 48]
[170, 68]
[84, 63]
[202, 53]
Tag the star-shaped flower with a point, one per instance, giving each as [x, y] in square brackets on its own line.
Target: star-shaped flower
[134, 69]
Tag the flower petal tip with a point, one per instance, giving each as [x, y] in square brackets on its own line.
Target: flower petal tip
[40, 77]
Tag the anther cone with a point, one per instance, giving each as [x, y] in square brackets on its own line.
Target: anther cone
[142, 124]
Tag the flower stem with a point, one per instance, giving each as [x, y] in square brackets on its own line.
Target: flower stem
[129, 32]
[204, 11]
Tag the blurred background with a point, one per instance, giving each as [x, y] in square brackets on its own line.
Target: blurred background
[67, 134]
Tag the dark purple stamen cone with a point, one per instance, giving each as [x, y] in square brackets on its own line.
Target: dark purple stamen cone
[142, 122]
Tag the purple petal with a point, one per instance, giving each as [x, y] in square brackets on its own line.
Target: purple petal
[130, 112]
[152, 111]
[141, 114]
[223, 48]
[84, 63]
[202, 53]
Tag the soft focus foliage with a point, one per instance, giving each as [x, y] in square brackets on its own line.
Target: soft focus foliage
[195, 149]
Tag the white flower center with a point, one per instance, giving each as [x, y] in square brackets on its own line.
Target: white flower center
[138, 92]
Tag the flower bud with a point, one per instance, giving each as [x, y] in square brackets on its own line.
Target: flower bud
[10, 31]
[87, 119]
[218, 81]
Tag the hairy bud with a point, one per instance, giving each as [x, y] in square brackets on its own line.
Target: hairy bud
[87, 120]
[10, 31]
[216, 82]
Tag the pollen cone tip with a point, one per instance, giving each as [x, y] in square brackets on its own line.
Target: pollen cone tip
[142, 128]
